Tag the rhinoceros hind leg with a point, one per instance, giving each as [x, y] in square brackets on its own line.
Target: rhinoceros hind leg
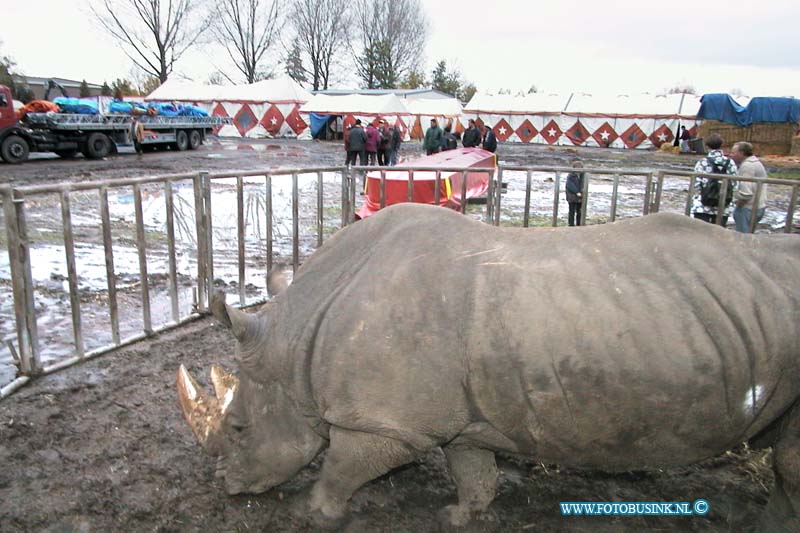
[783, 510]
[474, 472]
[353, 459]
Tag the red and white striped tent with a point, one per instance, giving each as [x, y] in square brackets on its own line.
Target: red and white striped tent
[269, 108]
[582, 119]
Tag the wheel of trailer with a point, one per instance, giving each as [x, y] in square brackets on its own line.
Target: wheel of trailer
[14, 149]
[98, 145]
[195, 139]
[67, 154]
[181, 141]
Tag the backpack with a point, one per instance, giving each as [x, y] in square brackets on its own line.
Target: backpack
[709, 191]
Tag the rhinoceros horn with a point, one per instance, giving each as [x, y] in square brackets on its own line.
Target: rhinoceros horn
[242, 324]
[224, 385]
[203, 413]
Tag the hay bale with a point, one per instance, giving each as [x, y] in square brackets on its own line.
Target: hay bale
[795, 146]
[767, 138]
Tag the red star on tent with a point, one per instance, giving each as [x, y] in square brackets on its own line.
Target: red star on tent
[272, 120]
[502, 130]
[219, 111]
[526, 131]
[551, 132]
[295, 121]
[244, 120]
[577, 133]
[605, 135]
[633, 136]
[662, 135]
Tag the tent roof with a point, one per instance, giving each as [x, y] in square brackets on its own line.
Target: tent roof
[282, 89]
[443, 107]
[387, 104]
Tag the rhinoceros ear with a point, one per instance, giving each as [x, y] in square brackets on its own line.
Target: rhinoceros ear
[277, 280]
[242, 324]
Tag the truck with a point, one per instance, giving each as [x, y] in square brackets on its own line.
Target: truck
[95, 136]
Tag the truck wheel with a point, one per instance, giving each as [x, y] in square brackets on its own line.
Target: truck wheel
[181, 141]
[14, 149]
[195, 139]
[67, 154]
[98, 145]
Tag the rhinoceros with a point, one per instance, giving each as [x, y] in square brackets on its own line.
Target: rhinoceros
[645, 343]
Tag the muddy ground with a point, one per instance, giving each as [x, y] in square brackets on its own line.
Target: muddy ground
[102, 446]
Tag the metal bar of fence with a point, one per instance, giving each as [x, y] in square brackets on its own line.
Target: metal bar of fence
[19, 257]
[383, 189]
[689, 197]
[109, 257]
[498, 192]
[208, 224]
[295, 225]
[201, 243]
[141, 247]
[268, 206]
[723, 195]
[437, 186]
[352, 198]
[584, 198]
[72, 272]
[556, 193]
[648, 184]
[30, 309]
[320, 215]
[240, 232]
[462, 199]
[490, 200]
[754, 210]
[345, 194]
[526, 216]
[410, 187]
[614, 192]
[790, 211]
[659, 191]
[173, 270]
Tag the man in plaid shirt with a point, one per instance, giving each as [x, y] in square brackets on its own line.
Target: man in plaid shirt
[724, 165]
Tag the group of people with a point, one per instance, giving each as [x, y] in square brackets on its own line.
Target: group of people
[371, 145]
[739, 197]
[438, 140]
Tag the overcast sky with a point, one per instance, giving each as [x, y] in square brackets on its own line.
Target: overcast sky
[609, 46]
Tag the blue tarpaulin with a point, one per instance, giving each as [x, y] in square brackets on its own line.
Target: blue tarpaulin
[83, 106]
[760, 109]
[317, 123]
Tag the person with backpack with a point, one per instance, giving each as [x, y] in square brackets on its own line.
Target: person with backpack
[449, 141]
[705, 204]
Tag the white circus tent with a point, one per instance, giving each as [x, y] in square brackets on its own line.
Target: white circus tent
[269, 108]
[582, 119]
[367, 108]
[445, 110]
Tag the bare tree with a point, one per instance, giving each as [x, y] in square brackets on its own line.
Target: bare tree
[392, 41]
[247, 29]
[152, 33]
[321, 30]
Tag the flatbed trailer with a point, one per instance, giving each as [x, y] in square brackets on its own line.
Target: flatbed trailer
[95, 136]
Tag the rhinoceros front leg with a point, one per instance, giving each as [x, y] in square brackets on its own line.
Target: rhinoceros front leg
[474, 472]
[353, 459]
[783, 510]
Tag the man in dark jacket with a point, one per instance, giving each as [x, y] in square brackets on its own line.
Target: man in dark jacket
[433, 138]
[383, 143]
[489, 139]
[575, 194]
[394, 145]
[357, 141]
[449, 141]
[472, 137]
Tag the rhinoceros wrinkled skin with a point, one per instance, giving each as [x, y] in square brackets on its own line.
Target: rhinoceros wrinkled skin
[645, 343]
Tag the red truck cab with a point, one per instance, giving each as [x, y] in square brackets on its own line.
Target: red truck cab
[14, 146]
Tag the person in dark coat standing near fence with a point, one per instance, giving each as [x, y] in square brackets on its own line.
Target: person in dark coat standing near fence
[394, 145]
[489, 139]
[472, 137]
[575, 194]
[433, 138]
[373, 140]
[356, 145]
[383, 143]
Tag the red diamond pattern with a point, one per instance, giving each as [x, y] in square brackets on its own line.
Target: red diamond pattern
[295, 121]
[219, 111]
[244, 120]
[479, 123]
[526, 131]
[633, 136]
[272, 120]
[662, 135]
[577, 133]
[605, 135]
[551, 132]
[503, 130]
[401, 125]
[693, 131]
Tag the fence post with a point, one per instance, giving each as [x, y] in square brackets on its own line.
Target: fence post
[19, 259]
[648, 185]
[199, 219]
[208, 224]
[498, 191]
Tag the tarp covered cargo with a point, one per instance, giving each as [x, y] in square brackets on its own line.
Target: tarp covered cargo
[760, 109]
[352, 107]
[425, 181]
